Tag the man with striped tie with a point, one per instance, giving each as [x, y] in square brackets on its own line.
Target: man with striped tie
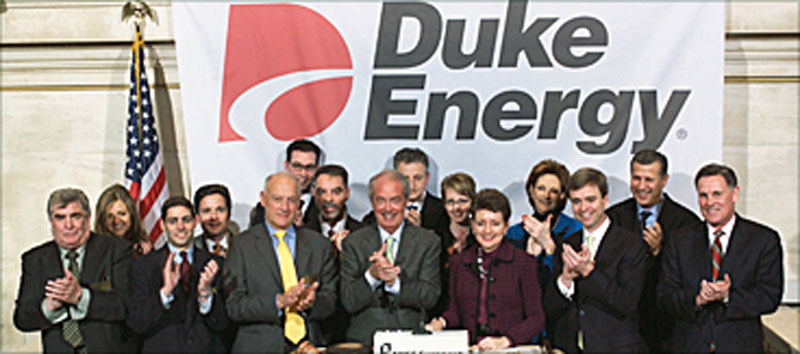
[280, 280]
[213, 207]
[74, 289]
[720, 276]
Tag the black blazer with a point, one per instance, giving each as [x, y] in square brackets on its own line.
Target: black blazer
[604, 303]
[754, 262]
[655, 325]
[180, 328]
[105, 270]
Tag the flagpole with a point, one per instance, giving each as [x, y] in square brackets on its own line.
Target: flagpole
[139, 11]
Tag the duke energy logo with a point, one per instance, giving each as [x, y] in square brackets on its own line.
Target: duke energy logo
[286, 63]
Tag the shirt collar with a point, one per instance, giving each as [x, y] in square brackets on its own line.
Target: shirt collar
[396, 234]
[338, 227]
[727, 228]
[654, 210]
[418, 203]
[189, 252]
[597, 235]
[290, 232]
[223, 242]
[80, 250]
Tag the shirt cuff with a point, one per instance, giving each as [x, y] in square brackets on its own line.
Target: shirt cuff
[78, 312]
[205, 304]
[373, 283]
[566, 291]
[166, 300]
[54, 316]
[394, 288]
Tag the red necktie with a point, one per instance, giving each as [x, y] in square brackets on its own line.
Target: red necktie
[716, 254]
[184, 269]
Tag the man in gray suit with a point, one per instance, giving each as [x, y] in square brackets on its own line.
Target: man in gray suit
[390, 270]
[280, 281]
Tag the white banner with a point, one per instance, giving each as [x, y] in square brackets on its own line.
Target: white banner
[487, 88]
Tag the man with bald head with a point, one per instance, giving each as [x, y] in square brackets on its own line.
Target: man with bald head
[390, 269]
[280, 281]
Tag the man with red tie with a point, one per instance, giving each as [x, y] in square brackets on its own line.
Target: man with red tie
[720, 276]
[212, 204]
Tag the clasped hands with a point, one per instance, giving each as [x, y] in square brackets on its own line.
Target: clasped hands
[414, 217]
[65, 290]
[539, 232]
[713, 291]
[171, 276]
[576, 264]
[653, 236]
[381, 268]
[299, 297]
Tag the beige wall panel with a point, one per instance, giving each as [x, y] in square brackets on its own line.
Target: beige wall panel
[759, 16]
[77, 21]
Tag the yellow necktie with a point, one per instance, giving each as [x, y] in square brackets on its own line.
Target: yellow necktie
[390, 249]
[294, 328]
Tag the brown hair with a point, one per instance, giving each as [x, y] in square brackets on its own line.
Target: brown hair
[112, 194]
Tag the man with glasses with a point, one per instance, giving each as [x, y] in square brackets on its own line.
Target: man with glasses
[302, 161]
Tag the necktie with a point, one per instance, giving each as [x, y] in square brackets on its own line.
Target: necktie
[220, 250]
[645, 214]
[184, 270]
[390, 249]
[716, 254]
[70, 329]
[294, 328]
[333, 244]
[590, 242]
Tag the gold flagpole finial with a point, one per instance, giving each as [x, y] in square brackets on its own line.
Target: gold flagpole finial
[138, 10]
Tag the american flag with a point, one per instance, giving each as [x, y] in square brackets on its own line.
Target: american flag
[144, 171]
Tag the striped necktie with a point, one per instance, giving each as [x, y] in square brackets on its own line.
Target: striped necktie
[70, 329]
[390, 249]
[716, 254]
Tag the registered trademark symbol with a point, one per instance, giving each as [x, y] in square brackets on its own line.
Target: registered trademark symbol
[681, 134]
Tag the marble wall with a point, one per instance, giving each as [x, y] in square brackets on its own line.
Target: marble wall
[64, 87]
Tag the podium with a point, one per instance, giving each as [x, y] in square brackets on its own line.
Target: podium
[447, 341]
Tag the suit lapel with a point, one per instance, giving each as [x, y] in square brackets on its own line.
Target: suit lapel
[737, 243]
[268, 255]
[701, 252]
[302, 254]
[403, 252]
[92, 260]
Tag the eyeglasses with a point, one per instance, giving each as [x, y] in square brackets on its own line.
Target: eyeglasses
[297, 166]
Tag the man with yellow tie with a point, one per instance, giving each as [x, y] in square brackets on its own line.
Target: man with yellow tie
[280, 281]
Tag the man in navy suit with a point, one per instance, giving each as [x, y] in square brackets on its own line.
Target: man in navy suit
[598, 276]
[720, 276]
[173, 302]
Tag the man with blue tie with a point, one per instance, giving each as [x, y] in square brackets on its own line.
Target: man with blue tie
[280, 281]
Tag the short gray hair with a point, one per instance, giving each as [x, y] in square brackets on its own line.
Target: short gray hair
[393, 175]
[59, 198]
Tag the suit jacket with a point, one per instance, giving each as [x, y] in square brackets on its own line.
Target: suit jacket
[252, 280]
[754, 263]
[105, 271]
[180, 328]
[334, 327]
[434, 218]
[513, 299]
[655, 325]
[603, 305]
[418, 259]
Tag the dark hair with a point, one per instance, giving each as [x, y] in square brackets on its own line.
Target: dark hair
[331, 170]
[110, 195]
[210, 189]
[391, 174]
[588, 175]
[177, 200]
[492, 200]
[647, 156]
[303, 145]
[460, 183]
[714, 169]
[547, 167]
[409, 155]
